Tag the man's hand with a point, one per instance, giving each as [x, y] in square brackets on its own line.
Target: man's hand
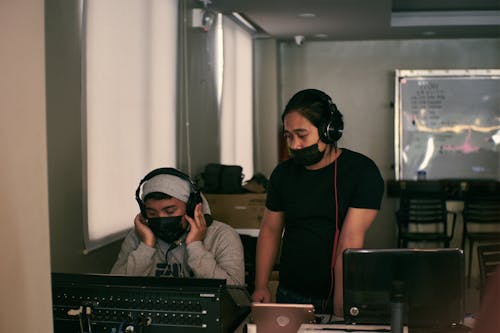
[144, 233]
[338, 309]
[198, 225]
[262, 295]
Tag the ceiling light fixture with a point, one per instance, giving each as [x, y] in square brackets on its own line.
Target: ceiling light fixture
[445, 18]
[307, 15]
[244, 21]
[428, 33]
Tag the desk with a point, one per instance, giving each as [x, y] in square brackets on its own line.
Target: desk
[333, 328]
[335, 324]
[339, 328]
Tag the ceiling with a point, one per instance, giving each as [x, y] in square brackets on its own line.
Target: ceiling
[363, 19]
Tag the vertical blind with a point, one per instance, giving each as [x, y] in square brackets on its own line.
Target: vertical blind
[128, 107]
[237, 98]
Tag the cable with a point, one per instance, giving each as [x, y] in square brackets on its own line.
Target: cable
[121, 327]
[335, 239]
[77, 312]
[88, 313]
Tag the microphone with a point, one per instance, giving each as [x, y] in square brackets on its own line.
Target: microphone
[397, 306]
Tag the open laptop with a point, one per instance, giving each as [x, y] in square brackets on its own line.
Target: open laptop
[280, 317]
[433, 281]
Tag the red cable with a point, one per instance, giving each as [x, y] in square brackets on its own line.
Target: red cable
[335, 240]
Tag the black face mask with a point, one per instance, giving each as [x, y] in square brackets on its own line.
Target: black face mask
[308, 155]
[168, 228]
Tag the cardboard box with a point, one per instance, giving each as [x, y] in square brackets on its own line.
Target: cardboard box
[241, 211]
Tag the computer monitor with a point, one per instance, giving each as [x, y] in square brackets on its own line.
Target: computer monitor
[433, 285]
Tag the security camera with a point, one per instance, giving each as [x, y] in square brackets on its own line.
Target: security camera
[299, 40]
[208, 19]
[203, 18]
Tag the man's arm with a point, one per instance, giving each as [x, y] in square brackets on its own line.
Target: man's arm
[268, 245]
[352, 235]
[218, 256]
[135, 257]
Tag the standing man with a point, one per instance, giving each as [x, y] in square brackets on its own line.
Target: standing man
[324, 199]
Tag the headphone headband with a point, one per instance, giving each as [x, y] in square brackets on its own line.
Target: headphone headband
[330, 123]
[194, 196]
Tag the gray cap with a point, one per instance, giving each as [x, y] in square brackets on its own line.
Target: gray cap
[172, 185]
[168, 184]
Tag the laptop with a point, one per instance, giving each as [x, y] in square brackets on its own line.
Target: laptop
[432, 280]
[344, 328]
[281, 317]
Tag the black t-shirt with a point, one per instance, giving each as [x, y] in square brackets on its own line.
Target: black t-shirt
[307, 198]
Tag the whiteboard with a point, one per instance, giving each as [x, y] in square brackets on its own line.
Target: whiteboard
[447, 124]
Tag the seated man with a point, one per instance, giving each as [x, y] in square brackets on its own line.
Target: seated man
[174, 235]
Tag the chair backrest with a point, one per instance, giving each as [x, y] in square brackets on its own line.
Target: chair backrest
[489, 259]
[481, 208]
[422, 215]
[249, 251]
[422, 206]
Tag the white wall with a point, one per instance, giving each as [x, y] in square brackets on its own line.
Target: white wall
[25, 302]
[359, 76]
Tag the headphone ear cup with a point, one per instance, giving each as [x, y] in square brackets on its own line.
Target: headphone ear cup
[336, 128]
[194, 199]
[331, 131]
[143, 209]
[323, 132]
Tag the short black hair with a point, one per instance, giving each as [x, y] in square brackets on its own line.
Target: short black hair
[157, 196]
[312, 104]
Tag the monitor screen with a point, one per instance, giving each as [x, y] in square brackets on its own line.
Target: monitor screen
[432, 280]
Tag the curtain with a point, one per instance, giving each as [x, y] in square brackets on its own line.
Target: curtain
[236, 112]
[128, 107]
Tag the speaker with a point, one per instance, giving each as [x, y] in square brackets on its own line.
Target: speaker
[331, 127]
[194, 196]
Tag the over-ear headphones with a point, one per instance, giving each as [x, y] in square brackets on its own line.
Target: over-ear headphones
[331, 127]
[194, 196]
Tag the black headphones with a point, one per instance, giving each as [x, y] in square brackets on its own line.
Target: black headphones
[194, 196]
[330, 128]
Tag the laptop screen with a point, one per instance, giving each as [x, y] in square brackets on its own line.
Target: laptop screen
[432, 280]
[281, 318]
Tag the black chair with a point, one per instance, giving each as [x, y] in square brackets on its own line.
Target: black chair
[488, 258]
[249, 252]
[481, 222]
[422, 215]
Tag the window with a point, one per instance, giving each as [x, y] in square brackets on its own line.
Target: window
[128, 107]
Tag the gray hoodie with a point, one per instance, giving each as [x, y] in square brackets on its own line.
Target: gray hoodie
[218, 256]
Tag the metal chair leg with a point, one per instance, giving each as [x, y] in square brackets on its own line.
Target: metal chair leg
[469, 270]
